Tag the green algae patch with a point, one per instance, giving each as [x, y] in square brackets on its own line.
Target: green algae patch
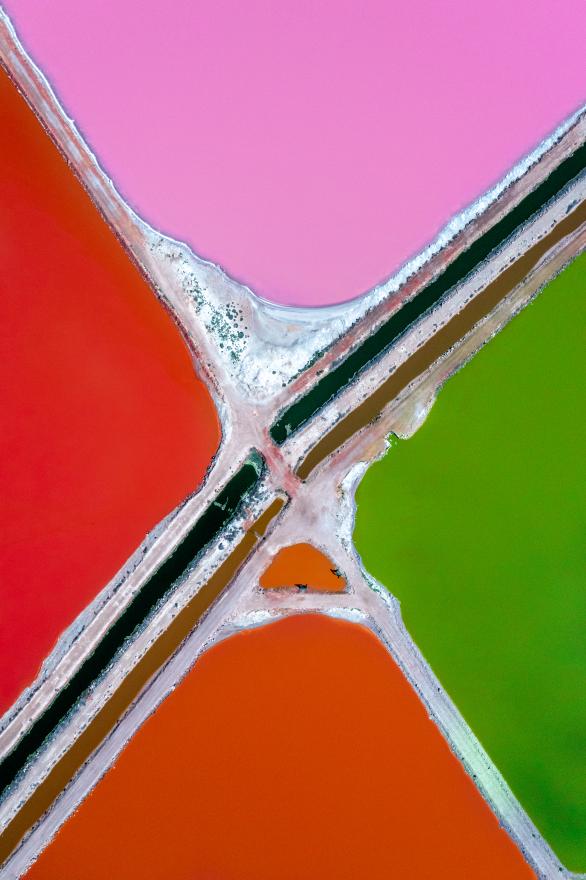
[476, 524]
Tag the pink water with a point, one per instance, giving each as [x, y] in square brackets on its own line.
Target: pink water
[310, 148]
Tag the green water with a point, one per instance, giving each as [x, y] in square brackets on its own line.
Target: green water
[477, 524]
[301, 410]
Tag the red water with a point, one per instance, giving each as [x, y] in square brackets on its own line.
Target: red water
[106, 426]
[297, 751]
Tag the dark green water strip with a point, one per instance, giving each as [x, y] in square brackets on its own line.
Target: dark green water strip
[303, 409]
[217, 515]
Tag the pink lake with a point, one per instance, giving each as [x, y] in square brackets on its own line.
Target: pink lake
[309, 148]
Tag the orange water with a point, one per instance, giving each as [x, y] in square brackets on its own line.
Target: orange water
[297, 751]
[302, 566]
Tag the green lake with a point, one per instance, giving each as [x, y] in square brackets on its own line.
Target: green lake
[477, 525]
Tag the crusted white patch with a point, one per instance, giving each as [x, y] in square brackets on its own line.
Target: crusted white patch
[263, 346]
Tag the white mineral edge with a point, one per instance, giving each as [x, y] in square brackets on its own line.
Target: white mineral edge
[312, 329]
